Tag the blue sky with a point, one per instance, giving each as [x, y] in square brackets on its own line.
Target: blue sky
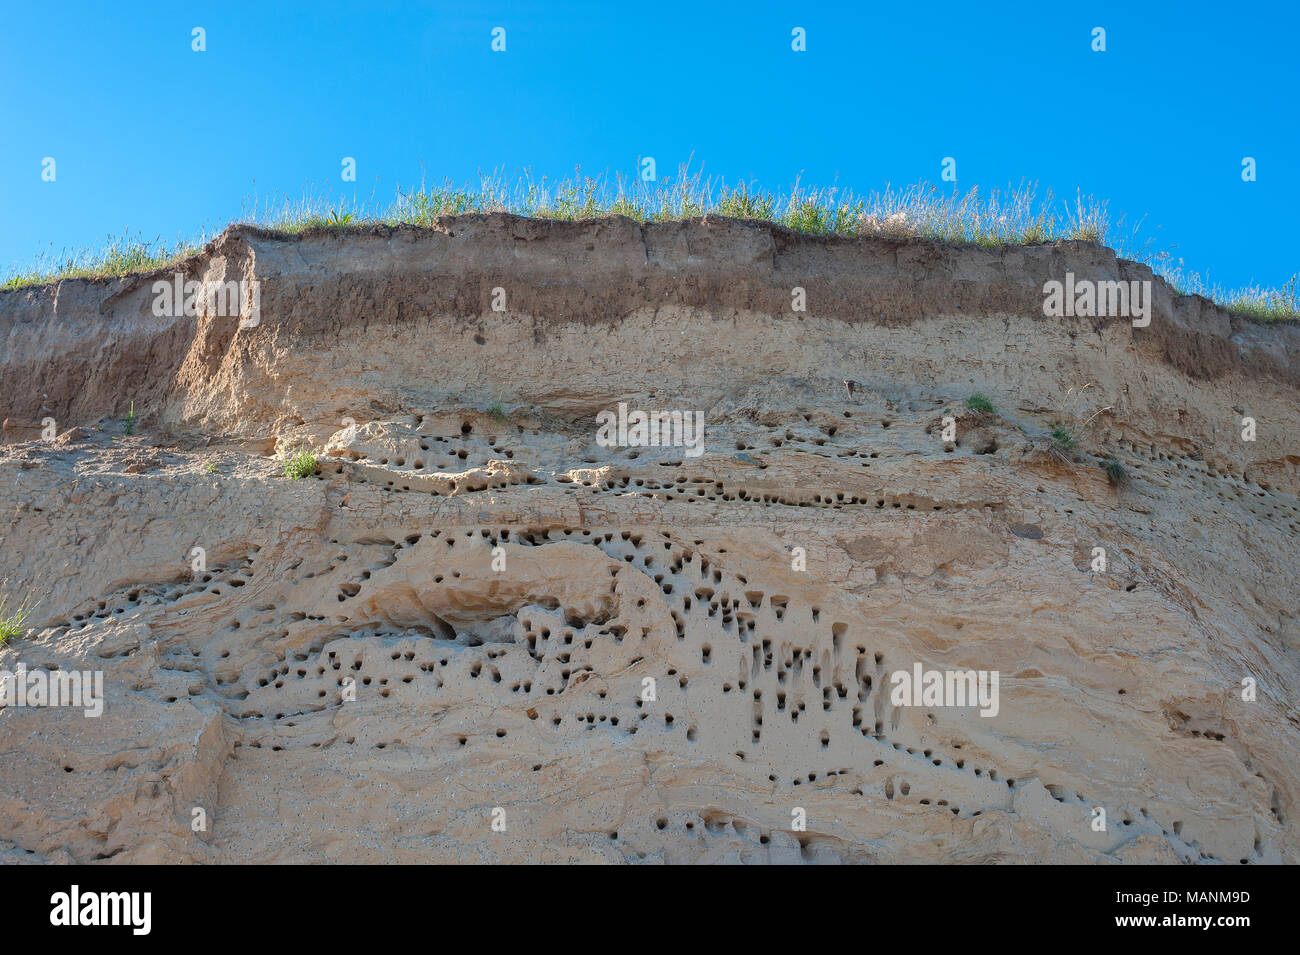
[151, 137]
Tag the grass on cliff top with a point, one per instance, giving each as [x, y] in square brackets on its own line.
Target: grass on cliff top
[119, 256]
[1016, 216]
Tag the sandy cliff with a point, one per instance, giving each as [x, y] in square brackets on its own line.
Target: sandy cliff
[495, 586]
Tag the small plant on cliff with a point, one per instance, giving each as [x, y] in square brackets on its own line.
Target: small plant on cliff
[12, 619]
[298, 463]
[1074, 425]
[338, 217]
[128, 423]
[498, 413]
[979, 402]
[1115, 471]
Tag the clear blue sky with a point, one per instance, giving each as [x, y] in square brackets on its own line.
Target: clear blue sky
[152, 137]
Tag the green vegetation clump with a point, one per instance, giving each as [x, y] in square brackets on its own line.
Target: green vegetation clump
[1063, 438]
[979, 402]
[993, 219]
[497, 413]
[12, 619]
[298, 463]
[128, 423]
[1115, 471]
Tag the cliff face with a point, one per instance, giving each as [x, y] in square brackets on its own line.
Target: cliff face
[452, 623]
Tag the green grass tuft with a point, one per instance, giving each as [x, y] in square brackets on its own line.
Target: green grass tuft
[12, 619]
[979, 402]
[1063, 438]
[128, 423]
[298, 463]
[740, 203]
[1115, 471]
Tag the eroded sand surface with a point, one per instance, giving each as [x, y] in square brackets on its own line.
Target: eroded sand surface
[498, 586]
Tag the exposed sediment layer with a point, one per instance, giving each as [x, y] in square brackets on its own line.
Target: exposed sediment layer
[498, 585]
